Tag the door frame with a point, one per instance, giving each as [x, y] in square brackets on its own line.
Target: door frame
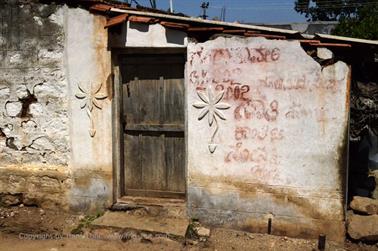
[117, 124]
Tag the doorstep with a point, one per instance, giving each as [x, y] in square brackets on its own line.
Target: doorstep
[142, 222]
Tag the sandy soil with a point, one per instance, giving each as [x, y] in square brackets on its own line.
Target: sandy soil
[22, 219]
[220, 240]
[30, 228]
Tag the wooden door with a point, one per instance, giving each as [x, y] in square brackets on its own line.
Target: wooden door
[153, 115]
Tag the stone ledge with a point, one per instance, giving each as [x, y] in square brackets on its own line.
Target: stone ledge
[287, 226]
[280, 203]
[56, 187]
[44, 186]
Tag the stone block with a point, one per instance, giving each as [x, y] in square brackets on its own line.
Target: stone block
[4, 92]
[22, 91]
[364, 205]
[324, 53]
[10, 199]
[13, 108]
[363, 227]
[33, 186]
[203, 232]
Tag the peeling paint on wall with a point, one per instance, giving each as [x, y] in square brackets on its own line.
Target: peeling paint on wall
[43, 131]
[278, 148]
[32, 85]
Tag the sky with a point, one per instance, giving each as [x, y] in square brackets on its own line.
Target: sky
[252, 11]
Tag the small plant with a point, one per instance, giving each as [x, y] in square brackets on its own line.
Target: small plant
[191, 230]
[85, 222]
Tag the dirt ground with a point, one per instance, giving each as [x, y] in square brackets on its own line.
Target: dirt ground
[31, 228]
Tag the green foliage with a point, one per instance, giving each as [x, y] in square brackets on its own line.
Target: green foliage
[364, 25]
[191, 232]
[85, 222]
[357, 18]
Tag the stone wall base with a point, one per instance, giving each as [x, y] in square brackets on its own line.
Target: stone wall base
[55, 188]
[283, 226]
[33, 186]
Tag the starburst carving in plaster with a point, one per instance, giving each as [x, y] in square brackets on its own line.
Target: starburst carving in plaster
[90, 99]
[211, 106]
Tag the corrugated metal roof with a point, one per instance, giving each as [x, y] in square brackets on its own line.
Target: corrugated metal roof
[118, 7]
[348, 39]
[244, 26]
[204, 21]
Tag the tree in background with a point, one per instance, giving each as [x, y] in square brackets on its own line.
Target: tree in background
[357, 18]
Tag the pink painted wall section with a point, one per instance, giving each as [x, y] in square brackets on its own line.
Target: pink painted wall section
[266, 136]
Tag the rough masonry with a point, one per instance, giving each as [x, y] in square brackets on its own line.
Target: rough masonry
[33, 93]
[41, 71]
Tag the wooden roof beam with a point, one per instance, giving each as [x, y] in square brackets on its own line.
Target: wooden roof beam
[205, 29]
[249, 32]
[234, 31]
[264, 35]
[331, 45]
[306, 41]
[100, 7]
[174, 25]
[145, 20]
[116, 20]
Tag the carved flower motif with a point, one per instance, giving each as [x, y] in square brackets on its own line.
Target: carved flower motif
[90, 98]
[211, 105]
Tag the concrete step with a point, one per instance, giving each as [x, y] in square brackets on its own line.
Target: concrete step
[134, 220]
[157, 207]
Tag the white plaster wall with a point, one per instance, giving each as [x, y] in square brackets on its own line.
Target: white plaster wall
[148, 35]
[88, 65]
[279, 148]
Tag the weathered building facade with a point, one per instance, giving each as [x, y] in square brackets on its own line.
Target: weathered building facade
[97, 107]
[279, 143]
[47, 154]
